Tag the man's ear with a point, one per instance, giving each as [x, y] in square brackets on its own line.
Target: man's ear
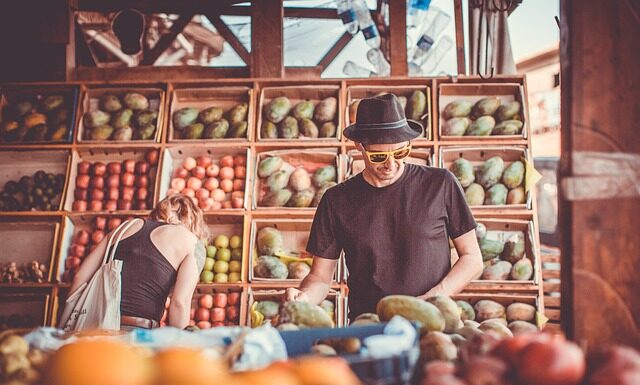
[359, 146]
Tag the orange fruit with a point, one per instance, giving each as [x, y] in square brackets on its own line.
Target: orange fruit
[183, 366]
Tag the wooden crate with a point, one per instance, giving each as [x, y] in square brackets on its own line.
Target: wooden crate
[310, 159]
[23, 242]
[353, 163]
[507, 299]
[36, 93]
[16, 164]
[357, 92]
[230, 225]
[33, 305]
[297, 94]
[107, 155]
[212, 289]
[277, 294]
[507, 92]
[295, 233]
[201, 98]
[173, 157]
[91, 97]
[477, 155]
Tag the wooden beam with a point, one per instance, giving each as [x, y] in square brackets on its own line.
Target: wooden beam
[166, 40]
[230, 37]
[462, 66]
[150, 73]
[398, 37]
[267, 59]
[303, 73]
[335, 50]
[157, 6]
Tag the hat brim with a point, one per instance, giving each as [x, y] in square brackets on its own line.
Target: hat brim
[406, 132]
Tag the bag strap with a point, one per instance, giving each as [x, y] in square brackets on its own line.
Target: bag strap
[112, 245]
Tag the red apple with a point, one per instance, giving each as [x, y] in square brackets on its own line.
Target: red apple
[220, 300]
[203, 161]
[202, 193]
[226, 185]
[97, 236]
[240, 160]
[129, 166]
[194, 183]
[232, 313]
[226, 173]
[100, 223]
[199, 172]
[218, 314]
[84, 167]
[99, 169]
[97, 194]
[114, 167]
[238, 184]
[81, 194]
[82, 181]
[128, 179]
[95, 205]
[111, 205]
[141, 194]
[226, 161]
[142, 181]
[206, 204]
[181, 173]
[113, 223]
[213, 170]
[206, 301]
[128, 193]
[233, 298]
[82, 237]
[237, 194]
[113, 194]
[189, 163]
[237, 203]
[97, 182]
[203, 314]
[227, 205]
[211, 184]
[124, 205]
[217, 324]
[72, 262]
[79, 205]
[204, 325]
[240, 171]
[142, 168]
[192, 314]
[171, 192]
[77, 250]
[152, 157]
[189, 192]
[178, 184]
[113, 181]
[216, 206]
[218, 195]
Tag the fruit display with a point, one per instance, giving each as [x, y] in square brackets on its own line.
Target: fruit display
[212, 122]
[20, 364]
[120, 117]
[224, 260]
[211, 310]
[487, 116]
[33, 271]
[493, 182]
[40, 192]
[304, 119]
[292, 181]
[37, 117]
[212, 183]
[273, 258]
[111, 186]
[84, 241]
[292, 315]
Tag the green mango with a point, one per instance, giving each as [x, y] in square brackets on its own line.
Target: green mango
[417, 105]
[466, 311]
[278, 180]
[457, 109]
[323, 175]
[328, 130]
[507, 127]
[268, 130]
[135, 101]
[481, 231]
[268, 309]
[305, 314]
[210, 115]
[463, 171]
[456, 126]
[184, 117]
[514, 248]
[513, 175]
[474, 195]
[270, 241]
[308, 128]
[491, 172]
[238, 130]
[449, 310]
[481, 126]
[270, 267]
[145, 132]
[413, 309]
[299, 179]
[277, 198]
[277, 109]
[488, 309]
[519, 311]
[145, 117]
[269, 165]
[403, 102]
[522, 270]
[123, 134]
[52, 102]
[288, 128]
[109, 103]
[522, 327]
[485, 106]
[498, 271]
[96, 118]
[193, 131]
[516, 196]
[326, 110]
[24, 108]
[320, 193]
[303, 110]
[507, 111]
[301, 199]
[490, 249]
[496, 195]
[238, 113]
[216, 130]
[103, 132]
[122, 118]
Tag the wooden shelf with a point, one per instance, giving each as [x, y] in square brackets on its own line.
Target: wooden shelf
[27, 285]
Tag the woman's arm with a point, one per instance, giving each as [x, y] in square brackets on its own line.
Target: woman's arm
[188, 276]
[90, 265]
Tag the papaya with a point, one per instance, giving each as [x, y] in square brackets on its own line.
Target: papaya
[326, 110]
[184, 117]
[466, 311]
[507, 127]
[491, 172]
[270, 267]
[327, 130]
[210, 115]
[522, 270]
[216, 130]
[496, 195]
[303, 110]
[507, 111]
[457, 109]
[277, 109]
[490, 249]
[288, 128]
[269, 165]
[308, 128]
[518, 311]
[488, 309]
[474, 195]
[270, 241]
[268, 130]
[498, 271]
[514, 248]
[305, 314]
[238, 113]
[513, 175]
[323, 175]
[516, 196]
[456, 126]
[416, 106]
[413, 309]
[449, 310]
[485, 106]
[277, 198]
[463, 171]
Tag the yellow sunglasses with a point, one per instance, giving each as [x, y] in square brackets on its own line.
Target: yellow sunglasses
[382, 156]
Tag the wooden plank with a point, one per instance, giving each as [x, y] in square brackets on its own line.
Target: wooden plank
[550, 273]
[267, 58]
[462, 67]
[552, 314]
[149, 73]
[551, 302]
[550, 258]
[335, 50]
[551, 287]
[599, 251]
[166, 40]
[303, 73]
[156, 6]
[398, 37]
[230, 37]
[552, 326]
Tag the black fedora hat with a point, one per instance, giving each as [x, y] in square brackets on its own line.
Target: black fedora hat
[381, 120]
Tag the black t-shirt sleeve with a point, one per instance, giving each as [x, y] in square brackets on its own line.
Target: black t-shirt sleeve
[323, 240]
[459, 218]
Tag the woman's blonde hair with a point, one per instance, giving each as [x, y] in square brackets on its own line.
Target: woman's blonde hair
[179, 209]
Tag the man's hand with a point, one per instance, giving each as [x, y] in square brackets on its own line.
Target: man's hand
[436, 290]
[293, 294]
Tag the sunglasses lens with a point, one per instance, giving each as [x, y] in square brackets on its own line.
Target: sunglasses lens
[402, 153]
[378, 158]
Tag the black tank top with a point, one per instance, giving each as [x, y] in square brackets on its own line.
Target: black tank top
[147, 276]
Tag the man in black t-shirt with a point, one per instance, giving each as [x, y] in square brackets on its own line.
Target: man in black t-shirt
[393, 220]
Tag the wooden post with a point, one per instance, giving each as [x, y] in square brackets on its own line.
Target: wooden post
[267, 55]
[398, 37]
[600, 53]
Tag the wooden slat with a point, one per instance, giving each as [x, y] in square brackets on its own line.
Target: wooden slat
[156, 6]
[551, 287]
[550, 273]
[230, 37]
[551, 302]
[166, 40]
[459, 37]
[550, 258]
[150, 73]
[398, 37]
[267, 59]
[552, 314]
[335, 50]
[552, 326]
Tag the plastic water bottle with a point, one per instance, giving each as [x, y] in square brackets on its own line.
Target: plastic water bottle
[416, 10]
[430, 61]
[438, 20]
[348, 15]
[354, 70]
[382, 66]
[366, 24]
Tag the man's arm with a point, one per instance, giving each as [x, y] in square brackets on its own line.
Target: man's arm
[469, 266]
[316, 285]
